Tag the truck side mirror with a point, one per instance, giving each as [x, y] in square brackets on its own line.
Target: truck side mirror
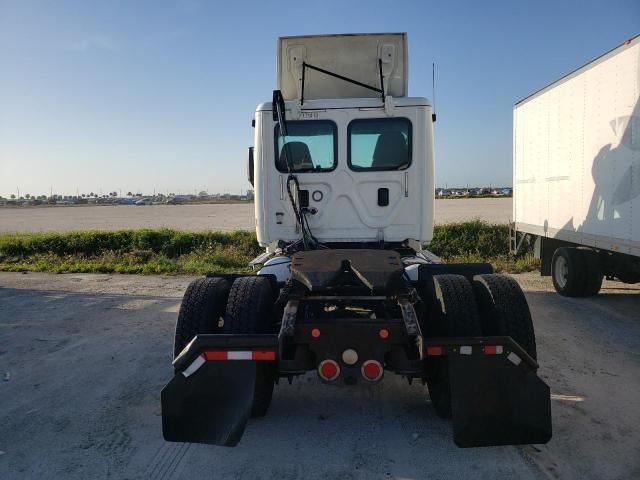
[250, 166]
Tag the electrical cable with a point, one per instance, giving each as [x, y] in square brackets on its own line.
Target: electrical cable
[309, 241]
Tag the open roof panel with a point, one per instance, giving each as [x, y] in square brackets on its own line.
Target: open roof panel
[359, 57]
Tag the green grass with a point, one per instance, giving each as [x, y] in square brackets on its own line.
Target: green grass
[477, 241]
[166, 251]
[128, 251]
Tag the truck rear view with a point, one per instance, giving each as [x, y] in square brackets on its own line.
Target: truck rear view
[576, 154]
[342, 167]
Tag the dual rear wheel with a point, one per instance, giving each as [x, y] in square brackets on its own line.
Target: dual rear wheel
[455, 307]
[490, 305]
[212, 305]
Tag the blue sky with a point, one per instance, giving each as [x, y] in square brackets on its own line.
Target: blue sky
[137, 95]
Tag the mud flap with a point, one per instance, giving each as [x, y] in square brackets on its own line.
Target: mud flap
[210, 397]
[212, 406]
[496, 402]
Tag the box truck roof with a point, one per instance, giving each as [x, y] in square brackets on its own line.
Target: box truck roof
[626, 44]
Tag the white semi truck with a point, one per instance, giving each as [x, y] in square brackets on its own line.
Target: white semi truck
[576, 173]
[342, 167]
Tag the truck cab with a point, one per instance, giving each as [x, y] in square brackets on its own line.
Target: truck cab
[363, 158]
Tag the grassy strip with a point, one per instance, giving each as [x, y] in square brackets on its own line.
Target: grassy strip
[128, 251]
[477, 241]
[150, 251]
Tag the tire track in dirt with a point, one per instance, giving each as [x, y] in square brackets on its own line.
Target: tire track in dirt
[167, 460]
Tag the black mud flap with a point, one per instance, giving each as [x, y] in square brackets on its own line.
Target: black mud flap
[209, 399]
[496, 402]
[211, 406]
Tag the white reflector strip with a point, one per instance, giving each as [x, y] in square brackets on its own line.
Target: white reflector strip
[567, 398]
[513, 358]
[466, 350]
[195, 365]
[498, 349]
[239, 355]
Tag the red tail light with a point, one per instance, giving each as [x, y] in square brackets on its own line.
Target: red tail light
[328, 370]
[372, 370]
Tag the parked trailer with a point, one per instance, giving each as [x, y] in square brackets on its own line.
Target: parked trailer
[576, 173]
[343, 172]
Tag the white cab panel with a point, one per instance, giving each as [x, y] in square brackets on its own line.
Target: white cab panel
[347, 200]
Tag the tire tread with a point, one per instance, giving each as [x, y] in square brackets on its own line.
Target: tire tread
[452, 312]
[202, 305]
[504, 310]
[249, 311]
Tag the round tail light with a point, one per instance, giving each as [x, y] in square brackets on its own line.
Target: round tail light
[372, 370]
[328, 370]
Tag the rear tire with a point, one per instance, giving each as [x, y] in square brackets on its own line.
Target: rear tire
[504, 310]
[451, 312]
[568, 272]
[201, 309]
[593, 274]
[250, 310]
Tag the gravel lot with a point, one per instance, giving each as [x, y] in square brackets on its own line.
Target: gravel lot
[202, 217]
[84, 358]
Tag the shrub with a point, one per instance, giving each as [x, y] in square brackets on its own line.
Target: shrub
[470, 238]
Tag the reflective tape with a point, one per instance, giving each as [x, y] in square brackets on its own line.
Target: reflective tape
[513, 358]
[263, 355]
[255, 355]
[195, 365]
[493, 349]
[434, 351]
[217, 355]
[239, 355]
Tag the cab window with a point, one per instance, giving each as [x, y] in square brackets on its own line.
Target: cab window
[310, 146]
[379, 144]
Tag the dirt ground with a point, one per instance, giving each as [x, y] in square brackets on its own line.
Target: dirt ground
[202, 217]
[83, 359]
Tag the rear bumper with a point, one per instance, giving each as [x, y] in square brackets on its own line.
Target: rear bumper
[497, 398]
[313, 343]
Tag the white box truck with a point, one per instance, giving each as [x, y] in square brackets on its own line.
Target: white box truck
[576, 173]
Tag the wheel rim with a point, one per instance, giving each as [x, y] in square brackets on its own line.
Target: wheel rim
[561, 271]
